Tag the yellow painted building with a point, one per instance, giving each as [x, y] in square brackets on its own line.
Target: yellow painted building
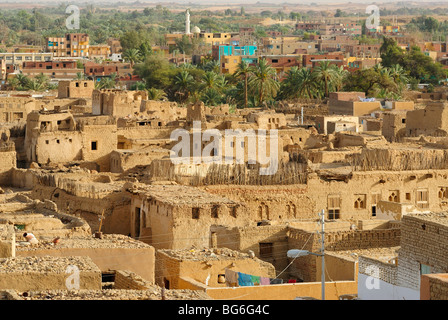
[229, 64]
[101, 51]
[216, 38]
[72, 45]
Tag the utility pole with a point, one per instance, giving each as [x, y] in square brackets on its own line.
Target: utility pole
[322, 253]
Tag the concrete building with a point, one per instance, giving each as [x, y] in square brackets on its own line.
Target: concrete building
[71, 45]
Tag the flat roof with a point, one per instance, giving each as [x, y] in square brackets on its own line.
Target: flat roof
[182, 195]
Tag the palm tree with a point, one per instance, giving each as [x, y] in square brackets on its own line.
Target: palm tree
[326, 74]
[133, 56]
[263, 81]
[23, 80]
[211, 97]
[42, 79]
[156, 94]
[399, 75]
[243, 70]
[35, 85]
[182, 85]
[13, 83]
[107, 82]
[340, 75]
[80, 76]
[299, 84]
[211, 80]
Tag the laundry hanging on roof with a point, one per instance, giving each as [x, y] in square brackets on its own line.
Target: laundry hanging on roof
[276, 281]
[244, 280]
[231, 278]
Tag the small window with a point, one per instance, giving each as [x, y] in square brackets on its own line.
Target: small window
[403, 120]
[94, 145]
[408, 196]
[57, 141]
[47, 142]
[215, 210]
[195, 213]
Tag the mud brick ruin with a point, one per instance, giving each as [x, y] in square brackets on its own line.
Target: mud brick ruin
[89, 172]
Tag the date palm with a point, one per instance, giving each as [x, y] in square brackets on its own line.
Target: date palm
[325, 73]
[182, 85]
[263, 81]
[243, 71]
[156, 94]
[132, 56]
[299, 84]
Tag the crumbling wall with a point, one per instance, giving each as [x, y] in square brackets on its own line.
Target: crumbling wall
[127, 280]
[7, 163]
[48, 273]
[7, 241]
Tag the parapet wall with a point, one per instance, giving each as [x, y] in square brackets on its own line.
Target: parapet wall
[346, 240]
[48, 273]
[128, 280]
[378, 269]
[434, 287]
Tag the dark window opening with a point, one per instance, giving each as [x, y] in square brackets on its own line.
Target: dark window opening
[137, 222]
[94, 145]
[215, 211]
[195, 213]
[108, 277]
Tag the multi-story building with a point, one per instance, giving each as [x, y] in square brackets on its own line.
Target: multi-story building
[287, 45]
[100, 51]
[311, 60]
[99, 70]
[115, 46]
[17, 58]
[72, 45]
[283, 63]
[364, 50]
[353, 29]
[55, 70]
[216, 38]
[308, 26]
[228, 50]
[229, 64]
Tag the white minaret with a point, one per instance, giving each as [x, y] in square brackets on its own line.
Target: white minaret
[187, 23]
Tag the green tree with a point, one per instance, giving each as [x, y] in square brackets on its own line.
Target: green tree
[182, 84]
[13, 83]
[156, 71]
[263, 81]
[156, 94]
[298, 84]
[325, 73]
[243, 71]
[132, 56]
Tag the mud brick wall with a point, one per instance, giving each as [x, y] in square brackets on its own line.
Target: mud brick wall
[7, 162]
[128, 280]
[345, 240]
[423, 242]
[378, 269]
[438, 287]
